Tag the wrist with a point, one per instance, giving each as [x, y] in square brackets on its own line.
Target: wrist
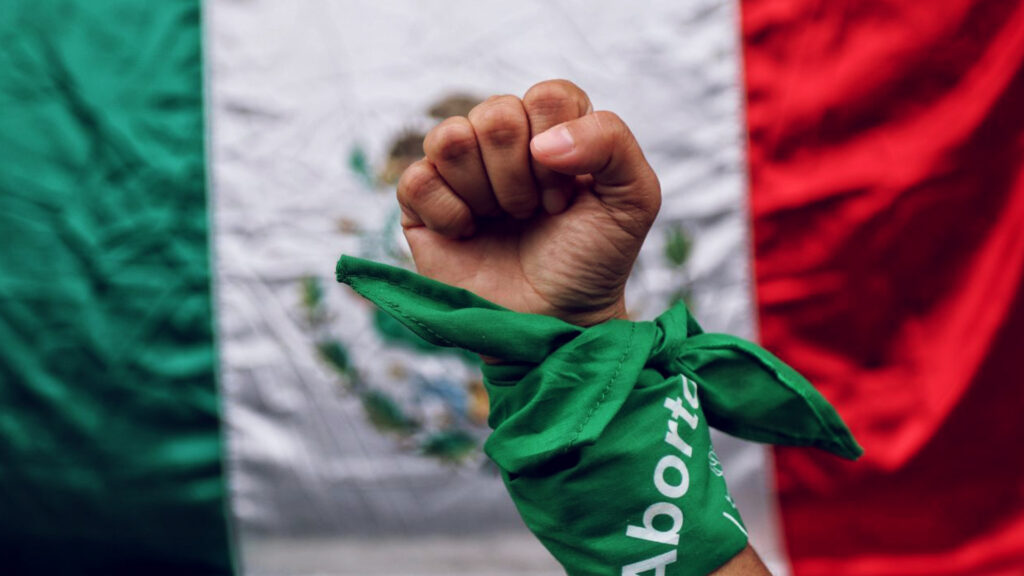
[593, 317]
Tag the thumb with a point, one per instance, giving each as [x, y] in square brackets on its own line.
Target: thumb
[601, 145]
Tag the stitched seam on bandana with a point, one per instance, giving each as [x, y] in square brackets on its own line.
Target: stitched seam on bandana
[607, 389]
[398, 310]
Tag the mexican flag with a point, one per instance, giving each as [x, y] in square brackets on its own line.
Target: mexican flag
[185, 390]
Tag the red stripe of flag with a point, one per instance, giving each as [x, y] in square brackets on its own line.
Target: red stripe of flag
[887, 182]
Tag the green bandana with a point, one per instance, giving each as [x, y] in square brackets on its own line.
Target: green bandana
[601, 433]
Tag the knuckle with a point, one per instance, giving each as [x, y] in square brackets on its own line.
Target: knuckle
[450, 141]
[610, 121]
[500, 100]
[554, 98]
[500, 121]
[611, 128]
[416, 183]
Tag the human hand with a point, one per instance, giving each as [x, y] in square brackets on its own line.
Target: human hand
[538, 204]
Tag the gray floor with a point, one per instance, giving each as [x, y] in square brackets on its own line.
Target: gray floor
[493, 555]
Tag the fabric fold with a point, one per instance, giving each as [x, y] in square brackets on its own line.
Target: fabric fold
[751, 394]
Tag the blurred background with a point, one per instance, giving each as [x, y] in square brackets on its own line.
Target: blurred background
[185, 389]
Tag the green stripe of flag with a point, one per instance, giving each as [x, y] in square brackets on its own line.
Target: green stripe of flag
[110, 443]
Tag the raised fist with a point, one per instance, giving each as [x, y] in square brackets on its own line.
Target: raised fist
[538, 204]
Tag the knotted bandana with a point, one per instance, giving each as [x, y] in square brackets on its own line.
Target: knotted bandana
[601, 433]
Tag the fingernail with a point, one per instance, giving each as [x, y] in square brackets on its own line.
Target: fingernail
[555, 141]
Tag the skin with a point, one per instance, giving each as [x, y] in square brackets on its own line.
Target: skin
[539, 204]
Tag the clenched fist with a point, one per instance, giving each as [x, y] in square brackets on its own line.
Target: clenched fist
[538, 204]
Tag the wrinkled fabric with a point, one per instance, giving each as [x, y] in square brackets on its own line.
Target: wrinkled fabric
[602, 433]
[887, 204]
[110, 448]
